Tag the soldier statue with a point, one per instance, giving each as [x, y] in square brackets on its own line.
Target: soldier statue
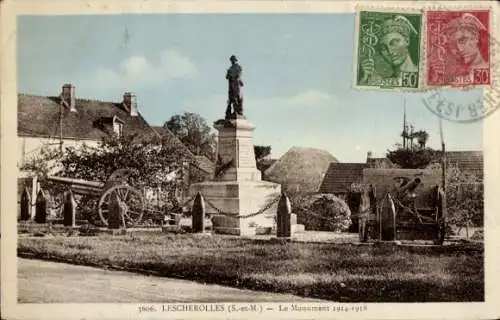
[235, 98]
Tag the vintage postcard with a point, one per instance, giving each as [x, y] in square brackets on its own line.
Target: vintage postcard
[236, 160]
[388, 52]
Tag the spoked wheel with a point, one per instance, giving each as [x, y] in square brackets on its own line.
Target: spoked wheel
[440, 218]
[363, 230]
[130, 201]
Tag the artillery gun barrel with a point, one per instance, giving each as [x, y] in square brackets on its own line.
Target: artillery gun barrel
[79, 186]
[410, 186]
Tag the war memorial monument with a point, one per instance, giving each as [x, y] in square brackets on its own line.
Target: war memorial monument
[239, 201]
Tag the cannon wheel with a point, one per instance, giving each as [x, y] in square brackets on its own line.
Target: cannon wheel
[363, 229]
[440, 218]
[130, 197]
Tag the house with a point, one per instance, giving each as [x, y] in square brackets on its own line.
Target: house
[340, 177]
[467, 161]
[378, 163]
[65, 120]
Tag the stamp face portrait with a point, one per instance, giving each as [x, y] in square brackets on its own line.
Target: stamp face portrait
[388, 54]
[458, 48]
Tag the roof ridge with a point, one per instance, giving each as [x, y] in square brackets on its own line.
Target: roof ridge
[77, 99]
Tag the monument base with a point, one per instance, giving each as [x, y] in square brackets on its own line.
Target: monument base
[233, 199]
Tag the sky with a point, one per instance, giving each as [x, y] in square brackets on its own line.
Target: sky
[297, 70]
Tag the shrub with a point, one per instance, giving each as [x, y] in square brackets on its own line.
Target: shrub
[464, 196]
[323, 212]
[412, 159]
[465, 203]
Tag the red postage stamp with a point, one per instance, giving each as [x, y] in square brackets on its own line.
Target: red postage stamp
[458, 48]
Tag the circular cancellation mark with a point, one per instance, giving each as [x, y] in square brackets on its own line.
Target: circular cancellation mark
[467, 111]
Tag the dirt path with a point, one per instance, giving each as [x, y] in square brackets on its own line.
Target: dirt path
[50, 282]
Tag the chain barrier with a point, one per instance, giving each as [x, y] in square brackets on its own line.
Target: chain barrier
[182, 205]
[262, 210]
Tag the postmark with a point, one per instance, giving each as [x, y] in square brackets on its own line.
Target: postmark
[458, 48]
[388, 52]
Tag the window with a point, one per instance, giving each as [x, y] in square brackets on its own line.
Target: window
[117, 128]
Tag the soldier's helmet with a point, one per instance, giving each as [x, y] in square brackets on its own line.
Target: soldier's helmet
[233, 58]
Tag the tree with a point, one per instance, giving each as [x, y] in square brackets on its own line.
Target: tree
[261, 152]
[262, 157]
[464, 197]
[194, 132]
[156, 164]
[409, 135]
[153, 160]
[412, 159]
[422, 137]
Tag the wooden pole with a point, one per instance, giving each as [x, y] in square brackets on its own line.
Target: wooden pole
[443, 167]
[404, 123]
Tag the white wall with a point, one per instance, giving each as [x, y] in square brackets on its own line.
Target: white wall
[30, 147]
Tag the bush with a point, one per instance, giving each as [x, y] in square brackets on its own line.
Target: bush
[464, 196]
[323, 212]
[465, 203]
[412, 159]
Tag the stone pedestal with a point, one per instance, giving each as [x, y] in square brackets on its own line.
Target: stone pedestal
[235, 149]
[238, 190]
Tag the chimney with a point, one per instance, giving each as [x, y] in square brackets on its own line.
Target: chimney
[68, 96]
[130, 102]
[369, 155]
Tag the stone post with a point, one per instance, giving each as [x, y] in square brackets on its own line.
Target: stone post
[114, 215]
[25, 205]
[41, 207]
[284, 218]
[388, 220]
[198, 214]
[69, 210]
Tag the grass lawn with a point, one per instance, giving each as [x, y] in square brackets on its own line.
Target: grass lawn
[338, 272]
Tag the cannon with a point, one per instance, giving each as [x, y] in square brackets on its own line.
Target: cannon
[405, 204]
[116, 191]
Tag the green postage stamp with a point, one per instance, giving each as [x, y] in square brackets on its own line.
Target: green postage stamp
[388, 52]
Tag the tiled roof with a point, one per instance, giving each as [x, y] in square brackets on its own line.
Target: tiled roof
[469, 161]
[39, 116]
[340, 176]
